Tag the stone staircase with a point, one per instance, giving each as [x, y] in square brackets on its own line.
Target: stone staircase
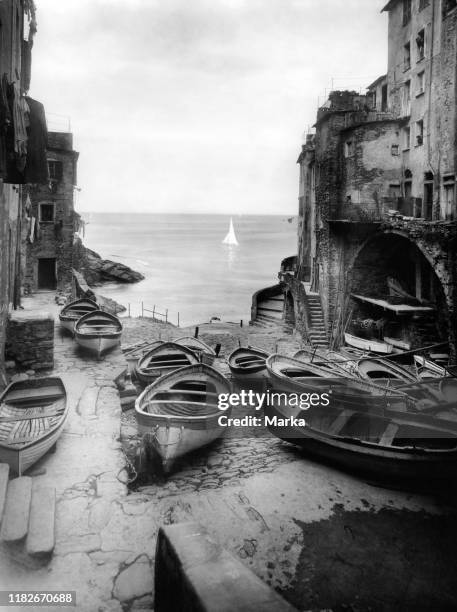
[270, 312]
[317, 333]
[27, 513]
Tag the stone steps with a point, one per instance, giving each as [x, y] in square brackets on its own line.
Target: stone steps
[27, 513]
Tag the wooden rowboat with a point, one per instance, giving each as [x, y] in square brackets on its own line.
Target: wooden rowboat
[395, 447]
[179, 412]
[163, 359]
[290, 375]
[32, 417]
[248, 364]
[335, 368]
[196, 345]
[365, 344]
[98, 331]
[135, 352]
[74, 311]
[377, 369]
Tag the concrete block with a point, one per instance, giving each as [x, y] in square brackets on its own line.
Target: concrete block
[194, 573]
[16, 514]
[41, 532]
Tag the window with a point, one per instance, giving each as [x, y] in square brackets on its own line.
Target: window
[420, 45]
[395, 149]
[419, 133]
[407, 56]
[349, 148]
[46, 213]
[449, 196]
[406, 11]
[55, 170]
[420, 86]
[406, 138]
[423, 4]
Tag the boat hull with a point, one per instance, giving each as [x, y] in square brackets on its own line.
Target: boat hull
[173, 439]
[98, 344]
[392, 466]
[364, 344]
[172, 421]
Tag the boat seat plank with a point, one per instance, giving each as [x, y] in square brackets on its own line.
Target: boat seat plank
[16, 514]
[4, 474]
[31, 417]
[41, 529]
[339, 423]
[32, 394]
[388, 436]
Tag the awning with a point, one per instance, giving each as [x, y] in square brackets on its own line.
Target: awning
[399, 309]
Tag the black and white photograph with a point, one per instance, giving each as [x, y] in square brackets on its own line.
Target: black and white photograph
[228, 305]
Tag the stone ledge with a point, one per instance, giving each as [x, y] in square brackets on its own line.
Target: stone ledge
[20, 316]
[194, 573]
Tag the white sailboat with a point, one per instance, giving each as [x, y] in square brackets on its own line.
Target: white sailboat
[231, 238]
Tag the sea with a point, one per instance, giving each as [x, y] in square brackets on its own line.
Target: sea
[187, 268]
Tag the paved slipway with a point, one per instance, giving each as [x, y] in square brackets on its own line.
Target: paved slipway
[324, 539]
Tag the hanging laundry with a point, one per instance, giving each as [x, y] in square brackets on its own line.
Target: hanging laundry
[21, 123]
[36, 169]
[32, 230]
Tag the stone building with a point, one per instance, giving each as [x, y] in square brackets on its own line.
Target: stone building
[22, 155]
[377, 237]
[49, 249]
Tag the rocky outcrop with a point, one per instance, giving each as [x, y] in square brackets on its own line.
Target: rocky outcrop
[83, 290]
[97, 270]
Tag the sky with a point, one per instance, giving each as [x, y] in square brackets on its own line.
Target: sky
[197, 106]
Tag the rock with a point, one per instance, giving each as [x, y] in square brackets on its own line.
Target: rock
[134, 582]
[98, 270]
[30, 373]
[10, 365]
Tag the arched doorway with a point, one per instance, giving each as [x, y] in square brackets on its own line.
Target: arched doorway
[399, 293]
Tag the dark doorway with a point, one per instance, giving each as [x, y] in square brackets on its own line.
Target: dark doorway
[47, 273]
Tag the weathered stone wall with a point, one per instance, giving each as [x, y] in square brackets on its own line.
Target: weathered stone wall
[31, 340]
[54, 239]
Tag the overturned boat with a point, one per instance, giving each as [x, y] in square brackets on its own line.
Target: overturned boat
[179, 412]
[163, 359]
[98, 332]
[248, 364]
[74, 311]
[32, 417]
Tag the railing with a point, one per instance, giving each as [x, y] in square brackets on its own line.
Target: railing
[378, 212]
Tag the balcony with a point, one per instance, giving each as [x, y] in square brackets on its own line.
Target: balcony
[380, 212]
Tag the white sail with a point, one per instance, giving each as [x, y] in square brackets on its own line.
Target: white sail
[231, 238]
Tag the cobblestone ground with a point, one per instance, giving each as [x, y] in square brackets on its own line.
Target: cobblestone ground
[258, 497]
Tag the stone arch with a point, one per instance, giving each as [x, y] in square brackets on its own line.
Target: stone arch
[392, 258]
